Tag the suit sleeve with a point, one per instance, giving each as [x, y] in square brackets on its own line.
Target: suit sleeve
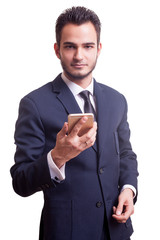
[30, 172]
[128, 159]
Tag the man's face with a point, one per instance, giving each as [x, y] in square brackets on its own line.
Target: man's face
[78, 51]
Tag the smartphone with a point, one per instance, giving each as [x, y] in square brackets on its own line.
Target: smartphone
[74, 118]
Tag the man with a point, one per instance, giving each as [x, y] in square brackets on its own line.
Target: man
[89, 187]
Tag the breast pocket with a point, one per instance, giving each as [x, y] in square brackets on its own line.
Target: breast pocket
[116, 142]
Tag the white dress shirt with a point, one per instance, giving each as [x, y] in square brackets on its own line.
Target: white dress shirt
[58, 174]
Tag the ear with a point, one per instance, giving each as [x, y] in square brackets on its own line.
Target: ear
[99, 48]
[56, 49]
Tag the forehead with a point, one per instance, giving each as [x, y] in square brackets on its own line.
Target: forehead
[79, 33]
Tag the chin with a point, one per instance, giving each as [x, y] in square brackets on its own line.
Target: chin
[78, 76]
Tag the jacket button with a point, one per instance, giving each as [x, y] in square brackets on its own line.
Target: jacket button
[101, 170]
[98, 204]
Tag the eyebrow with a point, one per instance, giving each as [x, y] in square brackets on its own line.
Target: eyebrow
[72, 43]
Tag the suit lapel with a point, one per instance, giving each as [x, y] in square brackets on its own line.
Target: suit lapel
[102, 114]
[65, 96]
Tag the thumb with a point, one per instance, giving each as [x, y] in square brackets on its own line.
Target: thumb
[119, 209]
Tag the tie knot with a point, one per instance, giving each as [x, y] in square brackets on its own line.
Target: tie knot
[88, 108]
[84, 94]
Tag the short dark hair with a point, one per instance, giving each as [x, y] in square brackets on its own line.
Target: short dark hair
[78, 16]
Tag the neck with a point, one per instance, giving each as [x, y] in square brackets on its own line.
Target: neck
[82, 82]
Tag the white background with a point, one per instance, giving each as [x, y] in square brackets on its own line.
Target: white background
[129, 62]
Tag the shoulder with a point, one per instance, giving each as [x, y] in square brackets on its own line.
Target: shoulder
[32, 102]
[40, 92]
[108, 89]
[109, 92]
[43, 93]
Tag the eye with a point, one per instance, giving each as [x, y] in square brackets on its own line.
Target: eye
[89, 46]
[69, 47]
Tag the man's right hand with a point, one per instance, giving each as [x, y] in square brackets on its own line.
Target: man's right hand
[70, 146]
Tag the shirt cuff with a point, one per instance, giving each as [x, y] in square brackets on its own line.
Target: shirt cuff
[57, 174]
[130, 187]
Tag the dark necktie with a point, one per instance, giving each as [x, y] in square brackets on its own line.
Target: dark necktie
[88, 108]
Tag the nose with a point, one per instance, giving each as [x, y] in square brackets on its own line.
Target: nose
[78, 54]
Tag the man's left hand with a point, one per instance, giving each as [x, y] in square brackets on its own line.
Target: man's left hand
[125, 206]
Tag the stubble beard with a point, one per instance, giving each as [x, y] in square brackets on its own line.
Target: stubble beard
[77, 76]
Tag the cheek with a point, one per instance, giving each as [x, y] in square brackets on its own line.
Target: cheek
[92, 57]
[67, 57]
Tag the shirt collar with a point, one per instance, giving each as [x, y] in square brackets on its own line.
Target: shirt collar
[74, 88]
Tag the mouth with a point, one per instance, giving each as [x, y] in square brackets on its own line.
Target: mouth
[78, 65]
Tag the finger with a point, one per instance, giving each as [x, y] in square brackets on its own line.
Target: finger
[92, 139]
[63, 131]
[128, 211]
[114, 209]
[119, 208]
[78, 126]
[89, 143]
[95, 125]
[124, 216]
[90, 136]
[92, 131]
[121, 219]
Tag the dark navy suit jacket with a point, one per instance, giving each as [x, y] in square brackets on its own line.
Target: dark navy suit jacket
[74, 209]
